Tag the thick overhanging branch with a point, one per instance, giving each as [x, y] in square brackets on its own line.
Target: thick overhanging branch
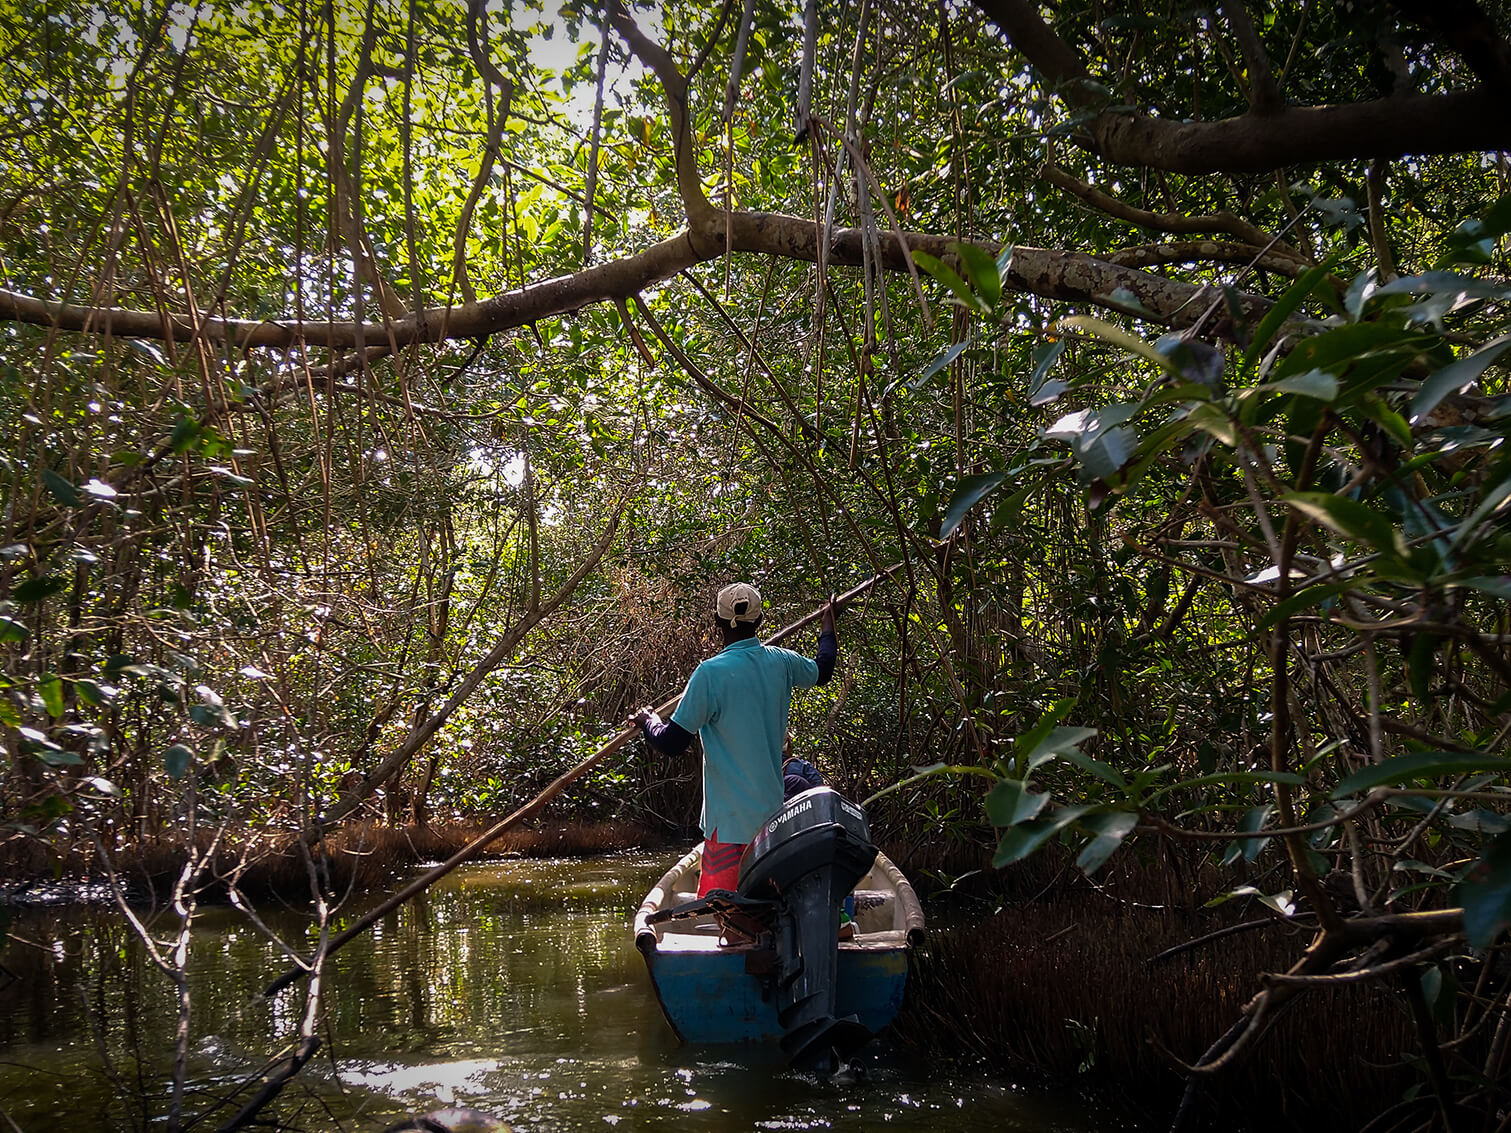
[1046, 272]
[467, 320]
[1460, 122]
[1050, 273]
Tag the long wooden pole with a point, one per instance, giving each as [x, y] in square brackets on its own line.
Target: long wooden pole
[472, 848]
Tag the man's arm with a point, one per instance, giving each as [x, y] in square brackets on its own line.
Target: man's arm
[693, 708]
[828, 646]
[664, 735]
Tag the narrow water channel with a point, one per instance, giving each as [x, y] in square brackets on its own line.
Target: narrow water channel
[512, 987]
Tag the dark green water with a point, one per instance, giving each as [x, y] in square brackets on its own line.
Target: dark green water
[513, 988]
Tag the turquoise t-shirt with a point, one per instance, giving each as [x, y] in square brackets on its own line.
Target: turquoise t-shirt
[737, 701]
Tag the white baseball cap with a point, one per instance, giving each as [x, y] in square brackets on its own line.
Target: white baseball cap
[739, 603]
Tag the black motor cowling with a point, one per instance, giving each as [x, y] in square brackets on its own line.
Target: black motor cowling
[807, 857]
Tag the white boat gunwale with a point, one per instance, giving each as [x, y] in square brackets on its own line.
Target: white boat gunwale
[888, 914]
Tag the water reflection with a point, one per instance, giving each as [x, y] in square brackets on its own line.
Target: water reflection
[511, 987]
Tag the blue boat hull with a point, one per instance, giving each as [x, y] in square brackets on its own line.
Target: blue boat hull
[708, 997]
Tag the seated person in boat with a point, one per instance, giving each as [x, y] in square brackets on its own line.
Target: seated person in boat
[798, 775]
[737, 701]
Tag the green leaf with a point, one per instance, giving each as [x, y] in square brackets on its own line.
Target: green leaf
[1470, 528]
[1421, 664]
[1351, 518]
[1058, 741]
[1009, 512]
[1373, 407]
[1338, 212]
[969, 492]
[1023, 839]
[50, 688]
[1303, 599]
[62, 490]
[1317, 384]
[1109, 828]
[1455, 377]
[11, 630]
[57, 757]
[1234, 778]
[1474, 240]
[118, 663]
[1031, 739]
[1097, 437]
[1103, 771]
[1224, 898]
[1486, 894]
[1292, 298]
[1451, 283]
[1198, 363]
[939, 363]
[36, 589]
[1347, 346]
[1126, 301]
[1498, 587]
[1441, 989]
[1249, 848]
[1004, 260]
[1283, 902]
[1107, 452]
[1047, 393]
[1419, 765]
[33, 739]
[90, 692]
[184, 434]
[231, 475]
[981, 268]
[1411, 865]
[1119, 337]
[1358, 290]
[1478, 821]
[176, 760]
[1045, 355]
[946, 275]
[1213, 421]
[1010, 802]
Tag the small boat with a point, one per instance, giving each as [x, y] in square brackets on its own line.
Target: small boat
[772, 961]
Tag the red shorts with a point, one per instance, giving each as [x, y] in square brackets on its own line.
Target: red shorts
[721, 865]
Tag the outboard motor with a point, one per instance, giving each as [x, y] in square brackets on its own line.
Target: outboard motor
[807, 857]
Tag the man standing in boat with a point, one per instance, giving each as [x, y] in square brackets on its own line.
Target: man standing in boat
[737, 702]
